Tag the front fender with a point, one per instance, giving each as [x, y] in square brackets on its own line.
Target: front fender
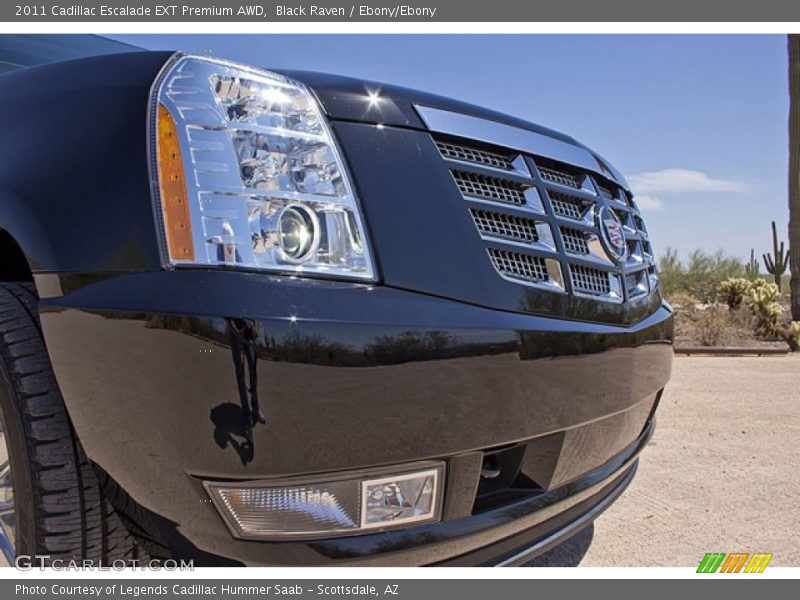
[74, 178]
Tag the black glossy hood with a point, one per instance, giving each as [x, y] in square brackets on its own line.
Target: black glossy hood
[349, 99]
[362, 101]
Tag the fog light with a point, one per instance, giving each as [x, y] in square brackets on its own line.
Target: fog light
[344, 504]
[399, 499]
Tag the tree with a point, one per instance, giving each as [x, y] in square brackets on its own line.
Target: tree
[794, 172]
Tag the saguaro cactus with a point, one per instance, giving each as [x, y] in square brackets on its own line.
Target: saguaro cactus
[776, 265]
[752, 268]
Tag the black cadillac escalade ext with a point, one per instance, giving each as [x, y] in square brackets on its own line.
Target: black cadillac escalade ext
[262, 318]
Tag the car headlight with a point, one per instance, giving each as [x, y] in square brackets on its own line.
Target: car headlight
[249, 175]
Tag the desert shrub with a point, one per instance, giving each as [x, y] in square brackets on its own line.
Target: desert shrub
[706, 272]
[682, 301]
[670, 271]
[742, 319]
[712, 325]
[733, 290]
[700, 275]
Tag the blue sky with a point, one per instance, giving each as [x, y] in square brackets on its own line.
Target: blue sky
[697, 123]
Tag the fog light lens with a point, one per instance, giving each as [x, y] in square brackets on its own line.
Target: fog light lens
[400, 499]
[346, 504]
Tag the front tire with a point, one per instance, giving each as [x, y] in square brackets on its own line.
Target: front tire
[50, 500]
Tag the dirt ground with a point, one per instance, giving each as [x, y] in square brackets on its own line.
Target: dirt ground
[722, 472]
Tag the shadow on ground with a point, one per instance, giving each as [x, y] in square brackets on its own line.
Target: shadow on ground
[568, 554]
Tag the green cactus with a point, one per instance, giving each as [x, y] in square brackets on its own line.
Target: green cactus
[763, 304]
[793, 336]
[752, 268]
[776, 265]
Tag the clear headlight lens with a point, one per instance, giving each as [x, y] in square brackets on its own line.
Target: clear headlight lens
[250, 176]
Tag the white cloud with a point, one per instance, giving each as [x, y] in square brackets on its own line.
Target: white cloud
[649, 203]
[683, 180]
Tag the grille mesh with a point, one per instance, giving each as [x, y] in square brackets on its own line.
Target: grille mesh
[560, 177]
[587, 280]
[520, 229]
[566, 205]
[475, 155]
[489, 188]
[518, 265]
[574, 241]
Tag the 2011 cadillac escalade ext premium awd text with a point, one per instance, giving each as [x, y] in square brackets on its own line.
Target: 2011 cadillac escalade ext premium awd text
[260, 318]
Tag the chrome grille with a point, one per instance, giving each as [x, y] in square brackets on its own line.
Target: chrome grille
[559, 177]
[574, 241]
[534, 226]
[629, 200]
[512, 227]
[587, 280]
[489, 188]
[626, 219]
[518, 265]
[636, 283]
[475, 155]
[634, 251]
[605, 192]
[567, 205]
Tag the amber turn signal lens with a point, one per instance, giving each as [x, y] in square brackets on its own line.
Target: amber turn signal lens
[174, 198]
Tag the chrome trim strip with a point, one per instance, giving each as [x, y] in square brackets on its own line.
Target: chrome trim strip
[518, 166]
[492, 132]
[616, 283]
[545, 244]
[554, 283]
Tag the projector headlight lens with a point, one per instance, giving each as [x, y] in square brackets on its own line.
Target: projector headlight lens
[297, 232]
[249, 174]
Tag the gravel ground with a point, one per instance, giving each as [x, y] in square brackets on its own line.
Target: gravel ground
[721, 473]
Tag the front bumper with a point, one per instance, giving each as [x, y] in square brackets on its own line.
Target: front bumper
[158, 370]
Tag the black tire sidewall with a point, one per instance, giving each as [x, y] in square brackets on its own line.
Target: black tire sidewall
[21, 471]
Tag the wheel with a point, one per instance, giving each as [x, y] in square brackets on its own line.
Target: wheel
[50, 500]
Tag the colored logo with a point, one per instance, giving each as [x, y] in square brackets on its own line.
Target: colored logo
[735, 562]
[612, 234]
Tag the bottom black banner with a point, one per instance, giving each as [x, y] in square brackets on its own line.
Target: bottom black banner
[75, 589]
